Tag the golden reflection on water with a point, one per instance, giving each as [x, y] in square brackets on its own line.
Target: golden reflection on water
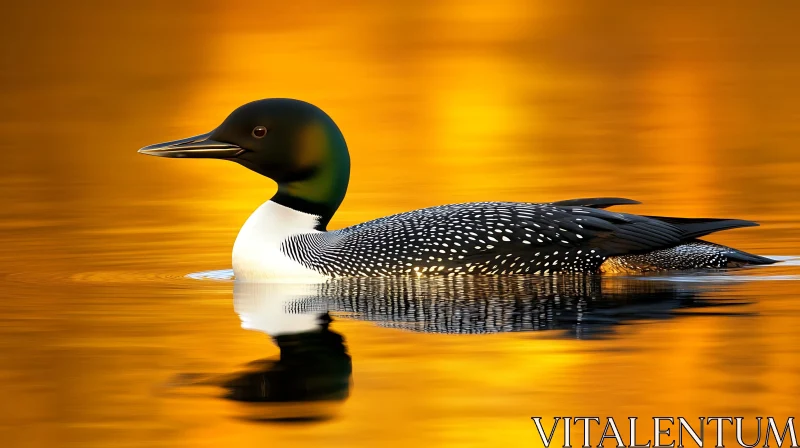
[689, 109]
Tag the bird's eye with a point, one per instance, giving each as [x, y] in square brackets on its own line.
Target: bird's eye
[259, 131]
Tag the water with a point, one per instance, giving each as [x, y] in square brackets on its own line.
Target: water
[108, 340]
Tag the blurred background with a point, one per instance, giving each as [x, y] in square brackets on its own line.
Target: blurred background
[692, 108]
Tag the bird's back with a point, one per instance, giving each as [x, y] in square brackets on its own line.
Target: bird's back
[482, 238]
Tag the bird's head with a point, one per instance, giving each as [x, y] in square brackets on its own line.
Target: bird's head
[292, 142]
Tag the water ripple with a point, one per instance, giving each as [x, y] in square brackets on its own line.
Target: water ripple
[217, 275]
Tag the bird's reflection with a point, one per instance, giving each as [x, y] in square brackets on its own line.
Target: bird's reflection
[313, 374]
[310, 378]
[580, 306]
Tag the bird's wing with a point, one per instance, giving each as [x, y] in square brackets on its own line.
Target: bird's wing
[606, 232]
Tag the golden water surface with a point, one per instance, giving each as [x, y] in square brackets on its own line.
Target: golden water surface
[693, 109]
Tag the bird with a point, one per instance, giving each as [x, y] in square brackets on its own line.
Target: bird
[300, 147]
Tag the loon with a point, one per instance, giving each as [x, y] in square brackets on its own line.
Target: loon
[300, 147]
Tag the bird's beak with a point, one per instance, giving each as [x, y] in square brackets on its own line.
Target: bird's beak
[199, 146]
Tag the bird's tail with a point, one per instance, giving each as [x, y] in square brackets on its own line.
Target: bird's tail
[697, 227]
[694, 228]
[741, 258]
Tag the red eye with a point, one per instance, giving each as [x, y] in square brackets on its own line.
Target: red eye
[259, 131]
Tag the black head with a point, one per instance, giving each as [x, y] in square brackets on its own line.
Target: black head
[292, 142]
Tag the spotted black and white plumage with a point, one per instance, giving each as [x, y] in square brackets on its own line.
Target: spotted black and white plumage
[500, 238]
[697, 254]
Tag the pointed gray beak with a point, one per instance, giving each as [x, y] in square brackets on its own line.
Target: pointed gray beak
[199, 146]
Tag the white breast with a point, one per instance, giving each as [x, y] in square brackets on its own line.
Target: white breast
[256, 252]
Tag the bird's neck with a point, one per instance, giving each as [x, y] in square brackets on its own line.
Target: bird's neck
[322, 191]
